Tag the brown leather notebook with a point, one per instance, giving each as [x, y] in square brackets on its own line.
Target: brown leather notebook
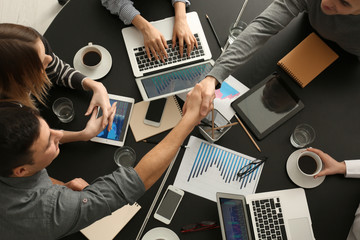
[308, 59]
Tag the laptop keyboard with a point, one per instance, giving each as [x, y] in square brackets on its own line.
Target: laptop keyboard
[269, 219]
[173, 55]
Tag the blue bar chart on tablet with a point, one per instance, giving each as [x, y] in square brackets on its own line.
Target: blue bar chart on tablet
[209, 168]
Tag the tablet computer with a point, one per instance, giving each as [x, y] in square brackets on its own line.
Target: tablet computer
[116, 136]
[267, 105]
[171, 82]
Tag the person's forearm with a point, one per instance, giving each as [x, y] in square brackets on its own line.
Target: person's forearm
[155, 162]
[180, 11]
[89, 84]
[140, 23]
[74, 136]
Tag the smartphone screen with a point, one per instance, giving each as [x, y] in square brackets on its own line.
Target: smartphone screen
[169, 204]
[154, 112]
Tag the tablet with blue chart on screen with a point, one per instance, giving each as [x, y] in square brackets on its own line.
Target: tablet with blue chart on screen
[116, 136]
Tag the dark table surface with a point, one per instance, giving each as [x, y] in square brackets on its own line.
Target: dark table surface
[331, 107]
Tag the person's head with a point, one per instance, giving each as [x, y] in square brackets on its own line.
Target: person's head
[22, 65]
[27, 144]
[340, 7]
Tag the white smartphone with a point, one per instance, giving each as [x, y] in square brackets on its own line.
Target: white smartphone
[154, 112]
[168, 204]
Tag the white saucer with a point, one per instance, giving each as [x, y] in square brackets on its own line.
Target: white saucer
[297, 177]
[97, 72]
[160, 233]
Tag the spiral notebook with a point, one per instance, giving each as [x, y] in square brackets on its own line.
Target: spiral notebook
[171, 117]
[308, 59]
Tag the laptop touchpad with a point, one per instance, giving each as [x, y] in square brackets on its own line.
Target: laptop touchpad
[300, 229]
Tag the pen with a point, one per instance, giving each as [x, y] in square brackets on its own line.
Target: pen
[213, 29]
[156, 142]
[242, 125]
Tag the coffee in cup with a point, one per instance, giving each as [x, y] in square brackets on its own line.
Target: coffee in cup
[91, 56]
[309, 163]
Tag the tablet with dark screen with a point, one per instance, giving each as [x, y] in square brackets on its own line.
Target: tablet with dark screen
[267, 105]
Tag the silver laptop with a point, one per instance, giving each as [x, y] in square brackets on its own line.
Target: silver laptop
[140, 64]
[156, 79]
[279, 215]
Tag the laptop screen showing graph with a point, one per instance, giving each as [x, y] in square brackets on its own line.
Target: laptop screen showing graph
[172, 82]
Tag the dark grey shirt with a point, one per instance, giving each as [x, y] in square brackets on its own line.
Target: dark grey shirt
[34, 208]
[342, 29]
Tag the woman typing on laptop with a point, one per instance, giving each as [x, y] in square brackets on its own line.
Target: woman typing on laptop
[154, 41]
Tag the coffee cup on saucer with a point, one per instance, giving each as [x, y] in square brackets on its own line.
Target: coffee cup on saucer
[91, 56]
[309, 163]
[302, 166]
[92, 60]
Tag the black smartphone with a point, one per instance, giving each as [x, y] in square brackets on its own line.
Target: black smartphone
[155, 112]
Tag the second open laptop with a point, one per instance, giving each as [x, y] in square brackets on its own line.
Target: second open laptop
[279, 215]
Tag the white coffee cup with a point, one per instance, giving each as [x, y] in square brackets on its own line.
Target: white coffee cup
[309, 163]
[91, 56]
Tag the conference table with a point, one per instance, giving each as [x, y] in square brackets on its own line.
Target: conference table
[331, 107]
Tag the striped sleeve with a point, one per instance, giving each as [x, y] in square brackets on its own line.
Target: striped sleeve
[60, 72]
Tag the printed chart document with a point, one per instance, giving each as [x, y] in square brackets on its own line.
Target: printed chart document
[230, 90]
[209, 168]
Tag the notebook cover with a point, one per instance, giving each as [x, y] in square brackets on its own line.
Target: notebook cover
[108, 227]
[308, 59]
[171, 117]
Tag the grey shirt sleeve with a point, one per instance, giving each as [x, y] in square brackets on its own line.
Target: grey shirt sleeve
[267, 24]
[125, 8]
[105, 195]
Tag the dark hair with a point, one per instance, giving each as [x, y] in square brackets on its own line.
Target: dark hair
[21, 70]
[19, 129]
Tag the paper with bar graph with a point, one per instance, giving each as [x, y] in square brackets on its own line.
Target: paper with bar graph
[209, 168]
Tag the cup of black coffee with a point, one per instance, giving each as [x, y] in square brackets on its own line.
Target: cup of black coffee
[91, 56]
[309, 163]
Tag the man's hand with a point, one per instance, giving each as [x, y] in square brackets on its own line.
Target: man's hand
[193, 102]
[95, 125]
[207, 88]
[77, 184]
[331, 166]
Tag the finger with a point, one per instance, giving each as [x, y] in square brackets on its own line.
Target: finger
[94, 113]
[190, 46]
[320, 174]
[184, 108]
[161, 51]
[153, 51]
[90, 108]
[147, 52]
[181, 46]
[164, 44]
[196, 43]
[174, 41]
[112, 115]
[316, 151]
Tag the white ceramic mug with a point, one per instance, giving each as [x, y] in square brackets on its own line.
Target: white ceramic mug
[309, 163]
[91, 56]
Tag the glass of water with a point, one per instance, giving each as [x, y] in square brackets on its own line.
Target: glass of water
[235, 30]
[125, 156]
[64, 109]
[302, 136]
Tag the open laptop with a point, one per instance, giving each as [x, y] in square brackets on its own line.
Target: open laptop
[277, 215]
[156, 79]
